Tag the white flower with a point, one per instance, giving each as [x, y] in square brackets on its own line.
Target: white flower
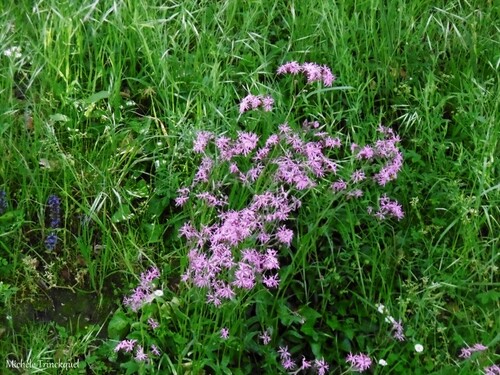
[389, 319]
[158, 293]
[382, 362]
[419, 348]
[380, 308]
[13, 52]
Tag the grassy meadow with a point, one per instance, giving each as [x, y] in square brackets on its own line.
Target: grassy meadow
[101, 108]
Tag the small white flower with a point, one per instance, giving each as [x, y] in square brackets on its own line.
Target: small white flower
[158, 293]
[382, 362]
[380, 308]
[419, 348]
[13, 52]
[390, 319]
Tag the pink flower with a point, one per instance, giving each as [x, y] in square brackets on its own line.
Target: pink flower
[321, 366]
[153, 323]
[305, 364]
[284, 235]
[249, 102]
[224, 333]
[140, 355]
[266, 339]
[271, 281]
[126, 345]
[492, 370]
[327, 76]
[155, 350]
[359, 362]
[339, 185]
[267, 103]
[397, 327]
[246, 142]
[467, 352]
[244, 276]
[201, 142]
[358, 176]
[291, 67]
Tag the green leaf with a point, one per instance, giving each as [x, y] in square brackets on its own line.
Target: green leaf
[118, 326]
[122, 214]
[58, 117]
[97, 96]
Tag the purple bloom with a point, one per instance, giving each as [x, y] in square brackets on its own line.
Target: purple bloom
[142, 294]
[284, 235]
[288, 363]
[54, 204]
[250, 102]
[270, 260]
[246, 142]
[153, 323]
[398, 333]
[467, 352]
[201, 142]
[155, 350]
[492, 370]
[327, 76]
[358, 176]
[224, 333]
[3, 202]
[267, 103]
[339, 185]
[359, 362]
[356, 193]
[140, 355]
[366, 152]
[321, 366]
[244, 276]
[51, 241]
[183, 197]
[204, 170]
[266, 339]
[271, 281]
[332, 142]
[312, 71]
[305, 364]
[291, 67]
[126, 345]
[283, 352]
[389, 208]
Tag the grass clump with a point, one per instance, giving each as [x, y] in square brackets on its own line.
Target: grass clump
[145, 139]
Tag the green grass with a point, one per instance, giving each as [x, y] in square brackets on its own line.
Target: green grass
[102, 108]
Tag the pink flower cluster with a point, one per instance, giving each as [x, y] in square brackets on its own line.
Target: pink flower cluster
[398, 331]
[128, 346]
[313, 72]
[319, 365]
[492, 370]
[253, 102]
[143, 293]
[467, 352]
[290, 161]
[219, 263]
[359, 362]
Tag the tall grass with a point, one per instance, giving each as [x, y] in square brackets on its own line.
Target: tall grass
[101, 108]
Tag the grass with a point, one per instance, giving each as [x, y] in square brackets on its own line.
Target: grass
[102, 107]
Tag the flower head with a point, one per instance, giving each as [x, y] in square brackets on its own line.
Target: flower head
[51, 241]
[359, 362]
[126, 345]
[3, 202]
[266, 339]
[419, 348]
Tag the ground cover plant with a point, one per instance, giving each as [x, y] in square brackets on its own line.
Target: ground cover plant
[300, 187]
